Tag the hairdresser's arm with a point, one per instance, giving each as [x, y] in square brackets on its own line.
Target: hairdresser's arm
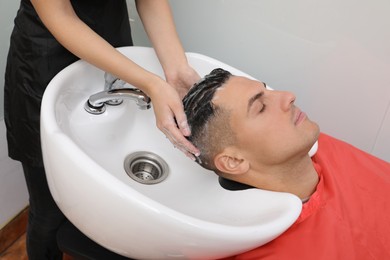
[158, 22]
[61, 20]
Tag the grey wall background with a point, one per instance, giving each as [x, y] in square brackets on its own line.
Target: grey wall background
[333, 54]
[7, 13]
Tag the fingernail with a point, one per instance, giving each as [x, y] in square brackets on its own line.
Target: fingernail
[187, 131]
[185, 127]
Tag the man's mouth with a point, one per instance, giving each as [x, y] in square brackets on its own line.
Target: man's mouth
[299, 117]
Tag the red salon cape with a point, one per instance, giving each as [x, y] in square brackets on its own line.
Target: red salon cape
[348, 217]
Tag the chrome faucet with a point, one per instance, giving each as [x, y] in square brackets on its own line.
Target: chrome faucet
[112, 82]
[113, 94]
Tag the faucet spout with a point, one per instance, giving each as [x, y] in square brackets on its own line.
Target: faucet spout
[96, 102]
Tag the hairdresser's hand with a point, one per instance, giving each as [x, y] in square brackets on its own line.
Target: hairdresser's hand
[182, 80]
[167, 106]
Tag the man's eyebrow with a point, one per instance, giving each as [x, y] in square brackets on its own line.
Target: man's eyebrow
[253, 99]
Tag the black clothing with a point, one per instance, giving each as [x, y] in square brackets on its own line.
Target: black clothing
[44, 217]
[35, 57]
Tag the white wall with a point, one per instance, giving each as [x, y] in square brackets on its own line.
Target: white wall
[334, 55]
[13, 191]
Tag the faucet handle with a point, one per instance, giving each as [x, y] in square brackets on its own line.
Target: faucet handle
[109, 79]
[111, 82]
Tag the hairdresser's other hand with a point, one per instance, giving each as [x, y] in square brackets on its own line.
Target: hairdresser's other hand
[167, 106]
[182, 80]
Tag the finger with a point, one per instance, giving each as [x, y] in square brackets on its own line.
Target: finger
[169, 136]
[190, 155]
[178, 140]
[187, 153]
[181, 120]
[184, 127]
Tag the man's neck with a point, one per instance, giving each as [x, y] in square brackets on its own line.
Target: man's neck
[298, 177]
[302, 179]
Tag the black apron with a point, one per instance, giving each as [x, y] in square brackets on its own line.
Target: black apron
[35, 57]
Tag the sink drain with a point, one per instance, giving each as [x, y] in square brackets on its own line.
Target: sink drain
[146, 167]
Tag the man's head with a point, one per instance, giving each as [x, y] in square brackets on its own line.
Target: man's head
[209, 130]
[239, 125]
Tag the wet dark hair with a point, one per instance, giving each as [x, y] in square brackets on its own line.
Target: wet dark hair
[210, 129]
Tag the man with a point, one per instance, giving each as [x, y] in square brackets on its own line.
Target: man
[251, 135]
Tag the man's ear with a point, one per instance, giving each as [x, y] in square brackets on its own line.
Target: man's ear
[231, 163]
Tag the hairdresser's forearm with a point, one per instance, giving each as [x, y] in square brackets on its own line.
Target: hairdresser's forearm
[60, 18]
[157, 19]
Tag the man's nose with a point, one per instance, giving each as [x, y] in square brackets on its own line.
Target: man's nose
[287, 99]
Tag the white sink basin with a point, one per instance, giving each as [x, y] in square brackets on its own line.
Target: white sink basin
[186, 216]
